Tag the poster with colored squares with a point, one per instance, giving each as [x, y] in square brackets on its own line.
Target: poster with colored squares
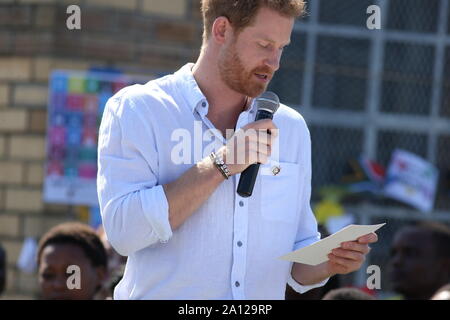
[76, 104]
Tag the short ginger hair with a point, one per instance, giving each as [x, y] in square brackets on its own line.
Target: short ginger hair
[241, 13]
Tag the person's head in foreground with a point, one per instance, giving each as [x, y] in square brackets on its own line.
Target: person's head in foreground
[420, 260]
[2, 269]
[244, 40]
[347, 294]
[60, 249]
[442, 294]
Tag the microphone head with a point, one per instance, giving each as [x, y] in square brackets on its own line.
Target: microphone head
[268, 101]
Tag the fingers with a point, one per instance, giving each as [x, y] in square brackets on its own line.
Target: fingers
[351, 255]
[348, 254]
[345, 261]
[254, 135]
[361, 245]
[368, 238]
[355, 246]
[344, 265]
[253, 145]
[259, 152]
[249, 145]
[265, 125]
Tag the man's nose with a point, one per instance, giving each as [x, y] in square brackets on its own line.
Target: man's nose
[273, 62]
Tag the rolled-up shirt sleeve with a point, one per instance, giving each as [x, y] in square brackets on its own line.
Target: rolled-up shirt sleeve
[134, 208]
[307, 232]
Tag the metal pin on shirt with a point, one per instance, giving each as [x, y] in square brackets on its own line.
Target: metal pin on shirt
[276, 170]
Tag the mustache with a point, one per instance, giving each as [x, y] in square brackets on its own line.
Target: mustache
[265, 70]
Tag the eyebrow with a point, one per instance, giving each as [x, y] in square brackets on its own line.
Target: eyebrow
[271, 41]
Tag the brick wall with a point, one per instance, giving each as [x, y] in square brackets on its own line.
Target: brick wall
[137, 36]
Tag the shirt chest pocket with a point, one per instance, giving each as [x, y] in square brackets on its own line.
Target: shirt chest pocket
[280, 191]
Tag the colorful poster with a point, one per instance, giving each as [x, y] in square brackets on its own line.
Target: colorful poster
[76, 104]
[412, 180]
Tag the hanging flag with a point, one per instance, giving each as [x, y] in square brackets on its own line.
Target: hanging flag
[374, 171]
[364, 175]
[411, 180]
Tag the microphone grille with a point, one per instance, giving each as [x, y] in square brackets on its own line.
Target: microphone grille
[268, 101]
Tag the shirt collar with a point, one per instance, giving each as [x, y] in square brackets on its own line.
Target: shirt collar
[192, 93]
[189, 87]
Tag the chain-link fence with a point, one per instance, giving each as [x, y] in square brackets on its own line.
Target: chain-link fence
[369, 92]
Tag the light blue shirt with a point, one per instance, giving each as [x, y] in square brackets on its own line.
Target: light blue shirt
[229, 248]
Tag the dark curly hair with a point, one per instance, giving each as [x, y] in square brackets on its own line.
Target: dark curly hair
[347, 294]
[440, 234]
[76, 234]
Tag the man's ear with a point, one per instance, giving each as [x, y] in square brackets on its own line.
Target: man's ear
[221, 29]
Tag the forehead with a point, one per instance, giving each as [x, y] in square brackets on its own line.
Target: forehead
[413, 237]
[61, 254]
[270, 24]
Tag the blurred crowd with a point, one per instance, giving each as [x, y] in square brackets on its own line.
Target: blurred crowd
[419, 266]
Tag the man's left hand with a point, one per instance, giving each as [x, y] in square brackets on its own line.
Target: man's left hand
[350, 255]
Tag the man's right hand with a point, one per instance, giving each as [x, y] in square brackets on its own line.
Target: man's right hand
[249, 145]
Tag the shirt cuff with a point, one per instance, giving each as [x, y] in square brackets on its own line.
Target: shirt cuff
[156, 210]
[304, 288]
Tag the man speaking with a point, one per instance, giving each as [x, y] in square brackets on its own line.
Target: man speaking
[186, 231]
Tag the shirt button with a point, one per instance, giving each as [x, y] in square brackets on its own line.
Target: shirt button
[204, 104]
[237, 284]
[239, 244]
[241, 203]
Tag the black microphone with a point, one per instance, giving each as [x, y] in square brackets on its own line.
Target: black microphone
[267, 105]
